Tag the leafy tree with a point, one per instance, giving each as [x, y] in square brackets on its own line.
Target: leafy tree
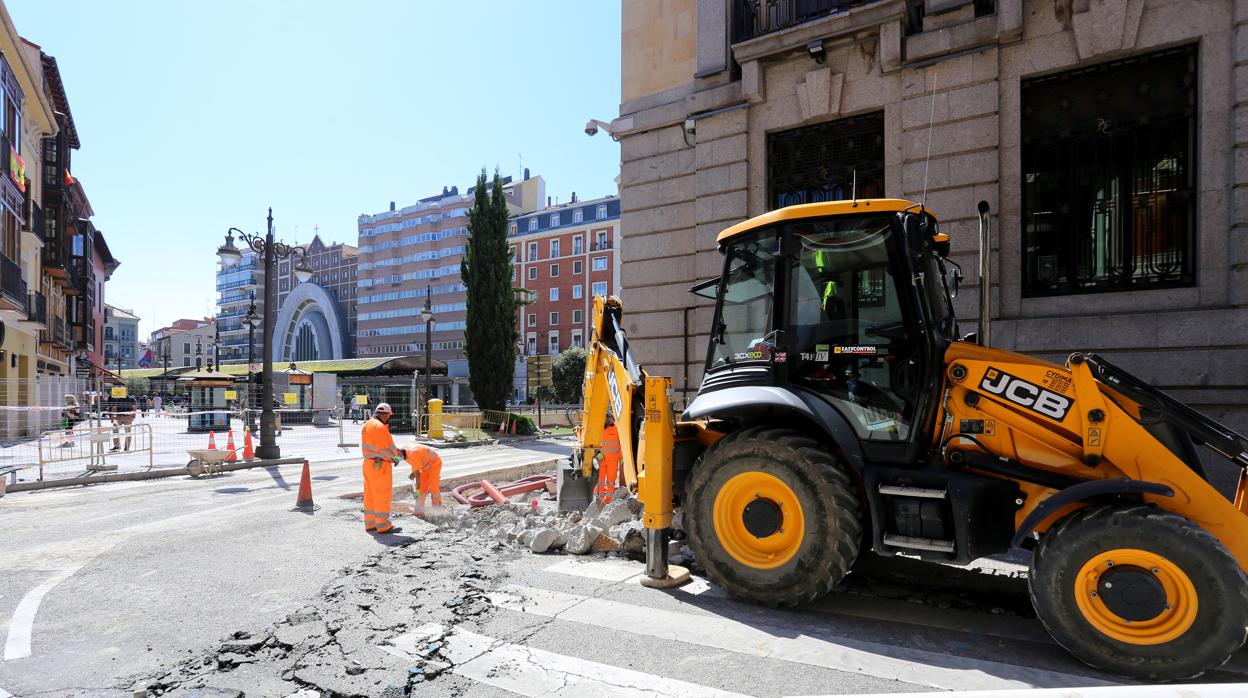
[490, 319]
[568, 374]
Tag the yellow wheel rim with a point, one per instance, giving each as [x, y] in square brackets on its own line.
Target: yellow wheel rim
[1094, 587]
[758, 520]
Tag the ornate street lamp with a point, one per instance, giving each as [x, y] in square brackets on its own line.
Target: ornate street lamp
[253, 321]
[199, 353]
[426, 314]
[271, 250]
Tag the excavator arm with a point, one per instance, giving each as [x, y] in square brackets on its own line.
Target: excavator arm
[613, 385]
[616, 385]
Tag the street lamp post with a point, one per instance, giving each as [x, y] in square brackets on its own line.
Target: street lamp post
[426, 314]
[271, 250]
[216, 345]
[199, 353]
[253, 321]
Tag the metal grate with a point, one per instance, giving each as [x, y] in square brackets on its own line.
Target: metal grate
[1109, 176]
[818, 163]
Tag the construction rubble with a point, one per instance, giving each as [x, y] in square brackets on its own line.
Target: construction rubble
[532, 521]
[437, 576]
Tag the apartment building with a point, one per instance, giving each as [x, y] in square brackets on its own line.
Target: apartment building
[1108, 137]
[238, 287]
[407, 252]
[121, 338]
[184, 343]
[564, 256]
[26, 115]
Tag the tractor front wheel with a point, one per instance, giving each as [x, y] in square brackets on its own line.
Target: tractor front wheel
[1140, 592]
[772, 516]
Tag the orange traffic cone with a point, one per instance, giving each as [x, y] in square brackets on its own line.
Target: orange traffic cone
[229, 446]
[502, 425]
[304, 502]
[248, 452]
[212, 441]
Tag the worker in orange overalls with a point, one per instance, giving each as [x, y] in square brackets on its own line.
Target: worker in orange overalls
[426, 474]
[609, 464]
[379, 457]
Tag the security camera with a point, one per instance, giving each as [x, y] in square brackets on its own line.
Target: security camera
[593, 125]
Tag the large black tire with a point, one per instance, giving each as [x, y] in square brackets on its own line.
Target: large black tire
[1104, 532]
[829, 510]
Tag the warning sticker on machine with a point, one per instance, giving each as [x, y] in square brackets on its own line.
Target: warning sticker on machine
[821, 352]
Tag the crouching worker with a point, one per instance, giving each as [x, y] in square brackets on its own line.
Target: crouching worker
[426, 475]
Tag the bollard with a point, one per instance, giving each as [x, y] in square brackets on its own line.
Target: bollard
[435, 419]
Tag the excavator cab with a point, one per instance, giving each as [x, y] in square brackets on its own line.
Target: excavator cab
[844, 310]
[840, 411]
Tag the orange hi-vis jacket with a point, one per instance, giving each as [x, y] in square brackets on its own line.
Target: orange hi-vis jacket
[378, 486]
[427, 465]
[609, 471]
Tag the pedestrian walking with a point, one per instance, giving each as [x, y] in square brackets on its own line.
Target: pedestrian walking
[123, 412]
[380, 455]
[71, 415]
[426, 474]
[609, 465]
[156, 404]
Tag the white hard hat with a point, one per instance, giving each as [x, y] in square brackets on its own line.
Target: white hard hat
[383, 407]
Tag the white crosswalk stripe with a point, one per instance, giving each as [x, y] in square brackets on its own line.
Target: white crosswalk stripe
[529, 671]
[914, 666]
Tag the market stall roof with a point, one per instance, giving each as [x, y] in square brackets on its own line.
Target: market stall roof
[129, 373]
[389, 365]
[206, 375]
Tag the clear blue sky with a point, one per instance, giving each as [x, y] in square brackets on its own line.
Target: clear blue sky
[195, 117]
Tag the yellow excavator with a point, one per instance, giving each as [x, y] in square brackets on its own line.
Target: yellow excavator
[840, 410]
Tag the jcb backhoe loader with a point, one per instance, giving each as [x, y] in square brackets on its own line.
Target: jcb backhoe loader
[840, 410]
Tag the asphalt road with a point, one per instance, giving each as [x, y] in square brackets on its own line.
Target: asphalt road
[102, 582]
[109, 587]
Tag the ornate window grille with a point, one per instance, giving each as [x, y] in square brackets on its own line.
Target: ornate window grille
[818, 163]
[1109, 176]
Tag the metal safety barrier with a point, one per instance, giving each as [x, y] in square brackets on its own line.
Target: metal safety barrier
[92, 445]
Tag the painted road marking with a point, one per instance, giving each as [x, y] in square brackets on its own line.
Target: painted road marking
[18, 644]
[1199, 690]
[919, 667]
[529, 671]
[603, 570]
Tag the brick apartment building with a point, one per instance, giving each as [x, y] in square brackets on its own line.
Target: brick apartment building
[564, 255]
[406, 252]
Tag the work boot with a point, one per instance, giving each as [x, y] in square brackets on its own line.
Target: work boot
[392, 529]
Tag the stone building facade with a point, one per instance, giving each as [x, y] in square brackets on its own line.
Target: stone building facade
[1109, 137]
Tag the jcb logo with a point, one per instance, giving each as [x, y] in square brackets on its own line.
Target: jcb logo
[1020, 392]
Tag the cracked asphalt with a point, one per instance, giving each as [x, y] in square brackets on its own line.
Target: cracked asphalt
[214, 588]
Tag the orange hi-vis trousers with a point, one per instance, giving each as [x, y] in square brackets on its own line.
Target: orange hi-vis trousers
[609, 469]
[427, 470]
[377, 490]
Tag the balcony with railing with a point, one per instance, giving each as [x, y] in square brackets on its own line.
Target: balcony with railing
[12, 285]
[37, 308]
[754, 18]
[249, 280]
[600, 246]
[62, 336]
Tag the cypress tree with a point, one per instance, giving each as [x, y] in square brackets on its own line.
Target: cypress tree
[490, 319]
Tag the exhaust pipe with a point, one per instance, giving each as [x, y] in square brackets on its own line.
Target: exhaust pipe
[985, 274]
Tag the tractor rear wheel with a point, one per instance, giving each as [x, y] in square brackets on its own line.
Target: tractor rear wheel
[772, 516]
[1140, 592]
